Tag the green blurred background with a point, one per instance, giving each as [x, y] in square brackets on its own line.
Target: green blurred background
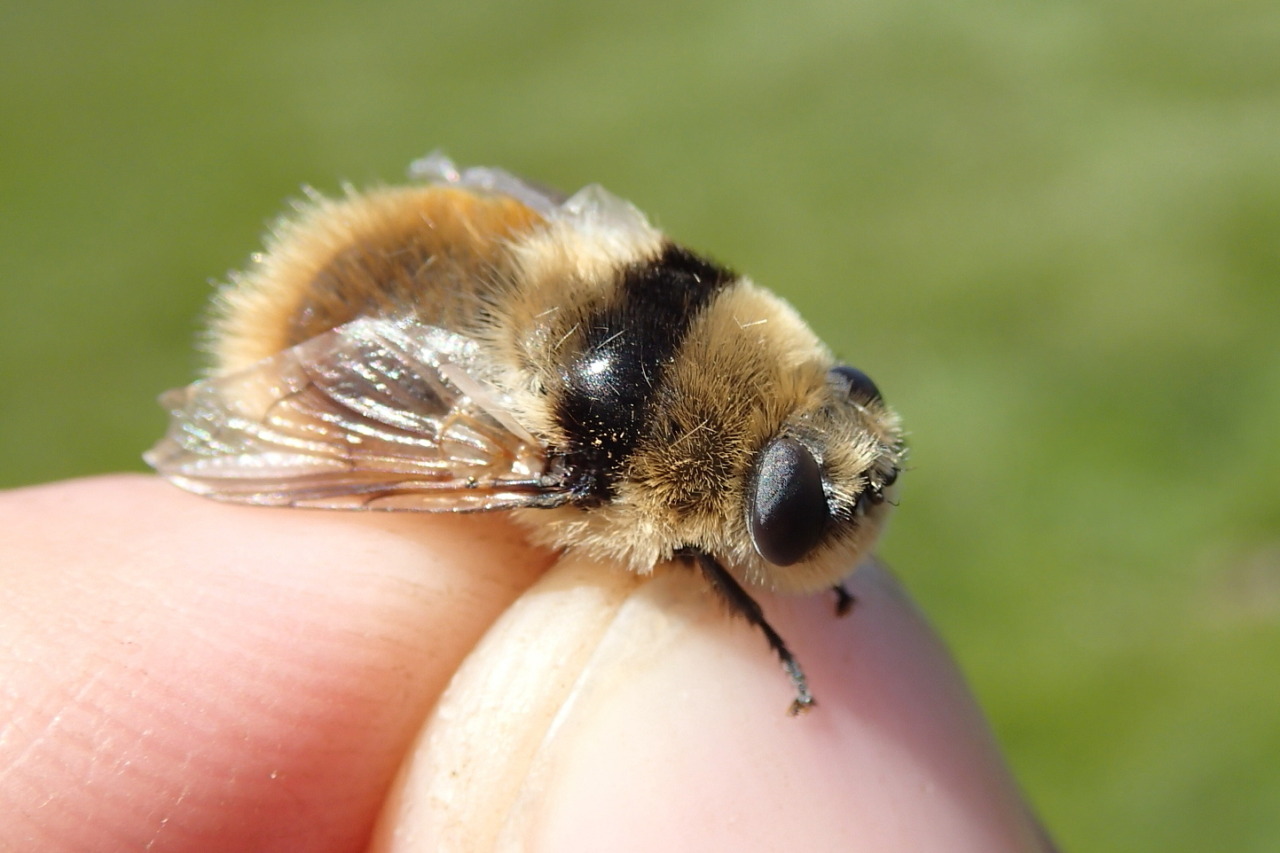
[1051, 231]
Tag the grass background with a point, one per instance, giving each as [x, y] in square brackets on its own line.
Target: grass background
[1050, 231]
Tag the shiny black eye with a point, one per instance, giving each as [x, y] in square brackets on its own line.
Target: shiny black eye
[787, 510]
[860, 385]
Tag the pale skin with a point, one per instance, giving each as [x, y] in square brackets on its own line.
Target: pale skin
[185, 675]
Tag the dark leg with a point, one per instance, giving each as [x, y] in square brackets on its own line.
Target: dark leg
[844, 600]
[742, 604]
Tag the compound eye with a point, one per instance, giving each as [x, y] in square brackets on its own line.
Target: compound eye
[860, 386]
[788, 510]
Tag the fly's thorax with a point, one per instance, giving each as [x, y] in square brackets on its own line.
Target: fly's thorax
[594, 318]
[563, 277]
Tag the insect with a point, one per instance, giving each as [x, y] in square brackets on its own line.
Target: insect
[475, 342]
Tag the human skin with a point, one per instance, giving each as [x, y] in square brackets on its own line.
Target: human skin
[184, 675]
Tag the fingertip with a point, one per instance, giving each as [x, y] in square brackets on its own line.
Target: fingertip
[228, 675]
[673, 732]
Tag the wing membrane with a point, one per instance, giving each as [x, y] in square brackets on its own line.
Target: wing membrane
[377, 414]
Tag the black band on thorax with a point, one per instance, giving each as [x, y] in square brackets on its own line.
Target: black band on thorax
[623, 351]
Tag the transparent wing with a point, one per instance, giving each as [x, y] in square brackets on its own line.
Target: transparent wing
[377, 414]
[590, 207]
[436, 168]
